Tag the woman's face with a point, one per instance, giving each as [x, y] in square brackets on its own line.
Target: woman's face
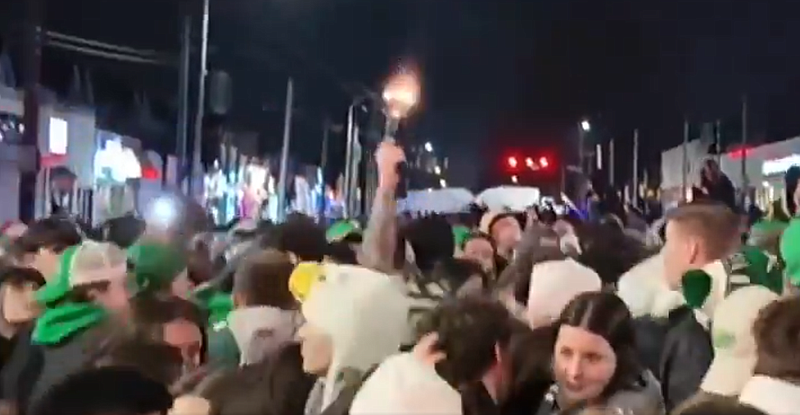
[583, 364]
[480, 251]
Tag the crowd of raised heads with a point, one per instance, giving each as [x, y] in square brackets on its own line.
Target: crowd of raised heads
[506, 314]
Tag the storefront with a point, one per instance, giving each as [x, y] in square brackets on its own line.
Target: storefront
[764, 166]
[126, 178]
[66, 146]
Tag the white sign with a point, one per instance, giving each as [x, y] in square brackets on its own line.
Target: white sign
[58, 137]
[777, 166]
[120, 161]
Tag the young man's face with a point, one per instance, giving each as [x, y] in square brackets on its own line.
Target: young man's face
[186, 337]
[116, 297]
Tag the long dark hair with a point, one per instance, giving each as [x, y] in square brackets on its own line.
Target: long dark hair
[605, 315]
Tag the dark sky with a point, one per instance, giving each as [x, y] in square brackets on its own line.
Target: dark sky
[499, 75]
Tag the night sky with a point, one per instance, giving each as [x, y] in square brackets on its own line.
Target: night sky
[499, 76]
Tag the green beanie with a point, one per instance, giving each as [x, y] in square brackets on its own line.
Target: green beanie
[156, 265]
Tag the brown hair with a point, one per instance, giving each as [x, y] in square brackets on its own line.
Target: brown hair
[713, 222]
[151, 312]
[777, 335]
[263, 280]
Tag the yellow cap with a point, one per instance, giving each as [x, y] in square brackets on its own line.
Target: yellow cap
[304, 276]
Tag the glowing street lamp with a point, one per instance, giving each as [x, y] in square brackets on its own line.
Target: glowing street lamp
[585, 126]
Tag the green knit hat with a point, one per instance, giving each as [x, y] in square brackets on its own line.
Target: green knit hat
[156, 265]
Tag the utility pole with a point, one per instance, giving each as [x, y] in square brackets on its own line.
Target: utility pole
[685, 159]
[323, 164]
[636, 167]
[348, 168]
[287, 137]
[183, 99]
[745, 181]
[32, 38]
[201, 101]
[611, 163]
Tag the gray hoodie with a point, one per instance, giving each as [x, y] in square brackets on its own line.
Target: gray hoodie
[647, 400]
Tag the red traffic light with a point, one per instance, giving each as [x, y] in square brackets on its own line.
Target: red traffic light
[543, 162]
[512, 162]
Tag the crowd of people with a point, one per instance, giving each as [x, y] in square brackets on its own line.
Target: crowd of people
[504, 314]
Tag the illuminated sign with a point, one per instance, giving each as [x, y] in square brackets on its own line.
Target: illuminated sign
[777, 166]
[117, 163]
[58, 137]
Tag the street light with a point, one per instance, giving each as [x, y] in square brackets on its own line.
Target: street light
[437, 170]
[585, 126]
[429, 147]
[442, 183]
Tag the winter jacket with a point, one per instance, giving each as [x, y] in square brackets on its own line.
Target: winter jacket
[22, 369]
[63, 359]
[687, 354]
[644, 399]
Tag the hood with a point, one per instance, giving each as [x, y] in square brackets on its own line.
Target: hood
[644, 289]
[771, 396]
[366, 314]
[60, 323]
[646, 400]
[554, 284]
[404, 385]
[260, 330]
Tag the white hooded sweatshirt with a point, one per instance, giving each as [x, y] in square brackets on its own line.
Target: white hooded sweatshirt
[364, 312]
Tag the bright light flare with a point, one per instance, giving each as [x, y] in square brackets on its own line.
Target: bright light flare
[529, 162]
[401, 94]
[442, 183]
[163, 212]
[585, 126]
[543, 162]
[514, 179]
[437, 170]
[429, 147]
[512, 162]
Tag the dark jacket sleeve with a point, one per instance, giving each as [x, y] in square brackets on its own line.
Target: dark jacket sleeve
[22, 370]
[688, 353]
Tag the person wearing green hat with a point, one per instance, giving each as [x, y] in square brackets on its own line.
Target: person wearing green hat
[89, 289]
[344, 230]
[159, 267]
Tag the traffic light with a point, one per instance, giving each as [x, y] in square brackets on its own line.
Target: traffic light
[543, 162]
[512, 162]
